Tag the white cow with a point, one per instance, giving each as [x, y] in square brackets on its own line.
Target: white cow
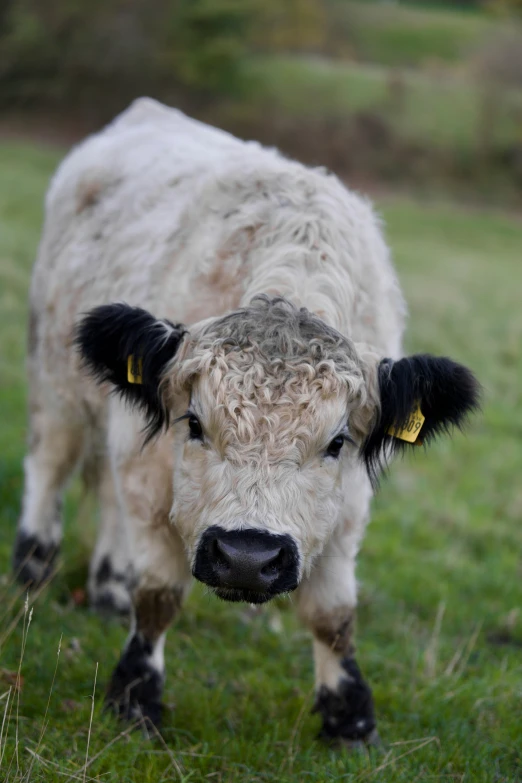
[268, 414]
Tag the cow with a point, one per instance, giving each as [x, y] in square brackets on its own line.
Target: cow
[215, 340]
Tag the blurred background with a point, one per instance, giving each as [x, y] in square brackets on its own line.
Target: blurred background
[407, 93]
[418, 104]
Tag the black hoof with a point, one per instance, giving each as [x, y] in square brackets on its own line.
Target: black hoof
[109, 591]
[108, 604]
[146, 715]
[348, 713]
[134, 693]
[371, 743]
[33, 561]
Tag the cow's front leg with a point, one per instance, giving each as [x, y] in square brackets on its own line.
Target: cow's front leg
[161, 578]
[136, 685]
[110, 571]
[326, 603]
[162, 581]
[343, 698]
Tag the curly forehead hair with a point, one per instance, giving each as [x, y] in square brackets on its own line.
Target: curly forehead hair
[270, 352]
[267, 371]
[278, 330]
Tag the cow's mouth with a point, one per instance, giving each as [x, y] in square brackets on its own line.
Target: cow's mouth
[235, 595]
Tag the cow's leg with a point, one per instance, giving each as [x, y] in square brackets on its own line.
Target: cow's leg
[326, 603]
[162, 573]
[163, 579]
[110, 569]
[55, 444]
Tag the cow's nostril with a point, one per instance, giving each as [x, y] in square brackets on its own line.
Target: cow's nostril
[275, 566]
[219, 555]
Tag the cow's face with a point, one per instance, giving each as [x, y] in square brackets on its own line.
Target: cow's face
[274, 413]
[262, 448]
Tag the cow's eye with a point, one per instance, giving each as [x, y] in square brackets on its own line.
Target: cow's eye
[196, 433]
[334, 449]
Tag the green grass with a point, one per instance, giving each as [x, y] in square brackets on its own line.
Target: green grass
[440, 628]
[393, 34]
[438, 112]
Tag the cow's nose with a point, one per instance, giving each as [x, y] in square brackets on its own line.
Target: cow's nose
[246, 564]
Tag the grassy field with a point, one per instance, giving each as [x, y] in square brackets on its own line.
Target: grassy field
[394, 34]
[442, 111]
[440, 629]
[405, 92]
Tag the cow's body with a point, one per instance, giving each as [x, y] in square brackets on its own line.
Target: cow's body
[183, 220]
[178, 217]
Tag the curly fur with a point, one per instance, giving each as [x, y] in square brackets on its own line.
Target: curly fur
[262, 364]
[290, 302]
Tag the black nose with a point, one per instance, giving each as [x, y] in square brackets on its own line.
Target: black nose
[246, 565]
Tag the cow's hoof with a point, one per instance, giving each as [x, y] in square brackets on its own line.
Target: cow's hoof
[347, 713]
[144, 715]
[134, 693]
[371, 743]
[113, 600]
[33, 561]
[109, 590]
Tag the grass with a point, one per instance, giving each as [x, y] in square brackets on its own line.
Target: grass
[437, 111]
[414, 69]
[440, 628]
[405, 35]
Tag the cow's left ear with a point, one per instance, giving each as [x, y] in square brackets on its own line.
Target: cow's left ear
[421, 397]
[129, 348]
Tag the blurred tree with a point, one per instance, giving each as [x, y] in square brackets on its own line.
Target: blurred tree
[499, 61]
[504, 6]
[59, 48]
[291, 25]
[451, 5]
[204, 41]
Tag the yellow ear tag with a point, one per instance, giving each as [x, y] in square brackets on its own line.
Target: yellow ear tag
[131, 378]
[412, 427]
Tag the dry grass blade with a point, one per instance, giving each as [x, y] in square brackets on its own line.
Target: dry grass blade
[430, 655]
[450, 668]
[114, 740]
[90, 724]
[48, 764]
[7, 717]
[173, 761]
[289, 758]
[469, 649]
[20, 590]
[4, 725]
[7, 611]
[393, 760]
[400, 743]
[14, 578]
[35, 594]
[44, 724]
[462, 654]
[19, 672]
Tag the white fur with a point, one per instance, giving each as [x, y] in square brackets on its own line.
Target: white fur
[163, 212]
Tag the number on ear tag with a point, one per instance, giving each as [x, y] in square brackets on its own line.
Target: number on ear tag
[131, 377]
[412, 427]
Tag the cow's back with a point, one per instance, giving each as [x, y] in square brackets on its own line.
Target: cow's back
[116, 200]
[167, 213]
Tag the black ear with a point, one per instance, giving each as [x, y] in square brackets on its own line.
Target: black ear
[108, 335]
[446, 392]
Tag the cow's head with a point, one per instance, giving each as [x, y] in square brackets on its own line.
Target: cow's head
[276, 416]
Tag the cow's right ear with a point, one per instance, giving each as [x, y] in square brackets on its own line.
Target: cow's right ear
[129, 348]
